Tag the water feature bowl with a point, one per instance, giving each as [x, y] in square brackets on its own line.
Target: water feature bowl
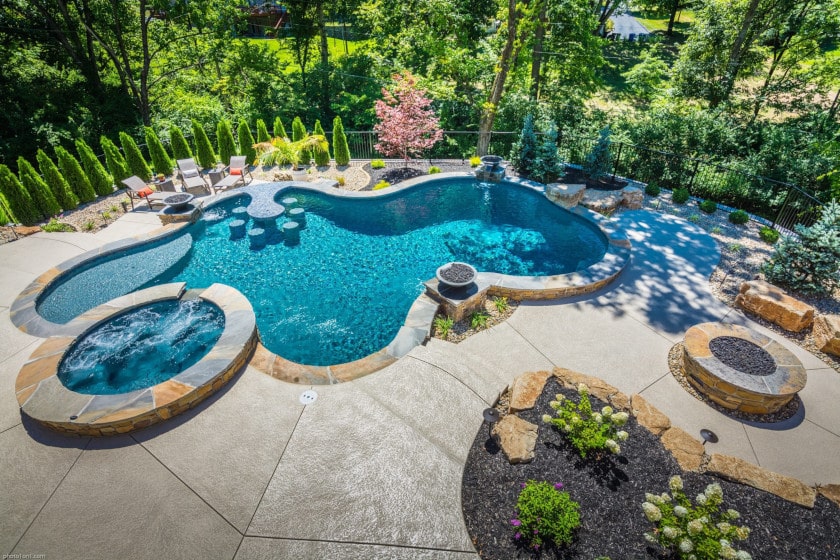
[456, 274]
[178, 202]
[491, 162]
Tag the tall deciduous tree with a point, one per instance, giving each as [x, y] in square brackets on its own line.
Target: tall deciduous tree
[19, 202]
[114, 160]
[100, 179]
[55, 180]
[38, 190]
[407, 123]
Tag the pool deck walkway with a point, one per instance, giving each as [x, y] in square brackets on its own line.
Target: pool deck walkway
[371, 469]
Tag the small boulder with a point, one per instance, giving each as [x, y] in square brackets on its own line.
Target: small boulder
[832, 492]
[827, 334]
[598, 388]
[525, 390]
[686, 449]
[648, 415]
[744, 472]
[516, 437]
[773, 304]
[567, 196]
[632, 197]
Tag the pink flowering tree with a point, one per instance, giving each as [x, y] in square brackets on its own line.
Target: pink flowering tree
[407, 124]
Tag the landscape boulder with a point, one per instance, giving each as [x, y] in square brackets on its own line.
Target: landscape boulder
[516, 437]
[827, 334]
[773, 304]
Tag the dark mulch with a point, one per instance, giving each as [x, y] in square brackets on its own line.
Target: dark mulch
[611, 493]
[743, 355]
[394, 172]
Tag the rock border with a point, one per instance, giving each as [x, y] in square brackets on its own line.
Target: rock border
[686, 449]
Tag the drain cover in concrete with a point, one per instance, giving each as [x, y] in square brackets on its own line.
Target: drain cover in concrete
[308, 397]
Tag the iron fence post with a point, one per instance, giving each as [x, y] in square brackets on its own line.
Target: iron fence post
[693, 175]
[617, 161]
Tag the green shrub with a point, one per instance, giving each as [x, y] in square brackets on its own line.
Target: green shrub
[524, 151]
[56, 182]
[39, 192]
[739, 217]
[377, 164]
[341, 150]
[546, 167]
[586, 430]
[203, 148]
[475, 161]
[115, 161]
[19, 203]
[694, 218]
[443, 326]
[89, 225]
[434, 169]
[75, 175]
[599, 159]
[381, 185]
[299, 133]
[322, 158]
[544, 514]
[278, 129]
[100, 180]
[680, 196]
[501, 303]
[180, 147]
[54, 226]
[652, 189]
[809, 261]
[262, 132]
[246, 142]
[701, 531]
[716, 230]
[4, 211]
[478, 320]
[341, 180]
[768, 234]
[225, 141]
[134, 157]
[161, 162]
[708, 206]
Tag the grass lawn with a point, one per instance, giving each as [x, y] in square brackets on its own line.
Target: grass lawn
[283, 48]
[656, 22]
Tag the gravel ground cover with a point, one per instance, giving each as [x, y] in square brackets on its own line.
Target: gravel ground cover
[611, 492]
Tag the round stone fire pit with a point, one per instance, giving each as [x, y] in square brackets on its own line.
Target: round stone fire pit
[178, 202]
[456, 274]
[741, 369]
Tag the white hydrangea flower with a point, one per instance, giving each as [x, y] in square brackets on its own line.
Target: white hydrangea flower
[675, 483]
[554, 404]
[546, 418]
[619, 418]
[598, 418]
[743, 555]
[686, 546]
[622, 435]
[582, 389]
[607, 411]
[575, 419]
[649, 537]
[695, 527]
[701, 499]
[733, 514]
[727, 553]
[671, 533]
[714, 491]
[724, 527]
[665, 497]
[680, 511]
[652, 498]
[566, 428]
[692, 557]
[559, 397]
[612, 446]
[652, 512]
[724, 543]
[741, 533]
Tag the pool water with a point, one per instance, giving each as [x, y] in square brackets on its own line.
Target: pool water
[344, 291]
[142, 347]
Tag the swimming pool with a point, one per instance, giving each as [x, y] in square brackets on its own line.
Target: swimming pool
[343, 292]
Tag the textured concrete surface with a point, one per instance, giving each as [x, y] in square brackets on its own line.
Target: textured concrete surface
[371, 469]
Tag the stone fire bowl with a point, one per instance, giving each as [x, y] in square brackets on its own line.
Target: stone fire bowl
[455, 284]
[733, 389]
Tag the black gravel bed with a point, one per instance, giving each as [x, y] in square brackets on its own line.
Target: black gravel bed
[611, 492]
[743, 355]
[457, 273]
[394, 172]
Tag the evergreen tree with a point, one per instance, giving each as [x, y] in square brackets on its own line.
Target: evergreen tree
[55, 180]
[599, 159]
[809, 263]
[38, 190]
[5, 215]
[203, 148]
[279, 130]
[246, 142]
[100, 180]
[321, 158]
[180, 148]
[20, 204]
[340, 148]
[262, 131]
[298, 134]
[115, 161]
[75, 175]
[134, 157]
[225, 141]
[546, 164]
[525, 149]
[161, 162]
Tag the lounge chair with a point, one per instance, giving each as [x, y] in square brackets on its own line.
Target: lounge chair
[139, 190]
[191, 178]
[237, 170]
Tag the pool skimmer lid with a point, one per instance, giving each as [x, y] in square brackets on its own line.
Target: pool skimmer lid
[308, 397]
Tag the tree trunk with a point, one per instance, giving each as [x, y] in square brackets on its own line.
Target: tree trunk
[325, 61]
[675, 7]
[736, 53]
[536, 52]
[143, 101]
[488, 114]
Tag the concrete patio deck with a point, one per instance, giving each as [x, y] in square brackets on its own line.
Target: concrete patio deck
[372, 468]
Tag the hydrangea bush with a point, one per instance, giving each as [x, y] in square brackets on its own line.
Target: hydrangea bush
[587, 430]
[694, 532]
[545, 514]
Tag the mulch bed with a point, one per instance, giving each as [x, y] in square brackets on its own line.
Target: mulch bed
[611, 492]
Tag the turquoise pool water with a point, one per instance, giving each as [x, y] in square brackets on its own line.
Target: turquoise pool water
[142, 347]
[344, 291]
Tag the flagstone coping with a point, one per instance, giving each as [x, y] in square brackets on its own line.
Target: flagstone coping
[43, 397]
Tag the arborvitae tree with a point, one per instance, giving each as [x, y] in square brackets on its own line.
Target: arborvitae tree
[299, 133]
[56, 181]
[279, 130]
[114, 160]
[75, 175]
[546, 166]
[321, 158]
[38, 190]
[134, 157]
[203, 148]
[225, 141]
[5, 214]
[100, 180]
[340, 149]
[525, 149]
[20, 203]
[262, 131]
[161, 162]
[246, 142]
[180, 148]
